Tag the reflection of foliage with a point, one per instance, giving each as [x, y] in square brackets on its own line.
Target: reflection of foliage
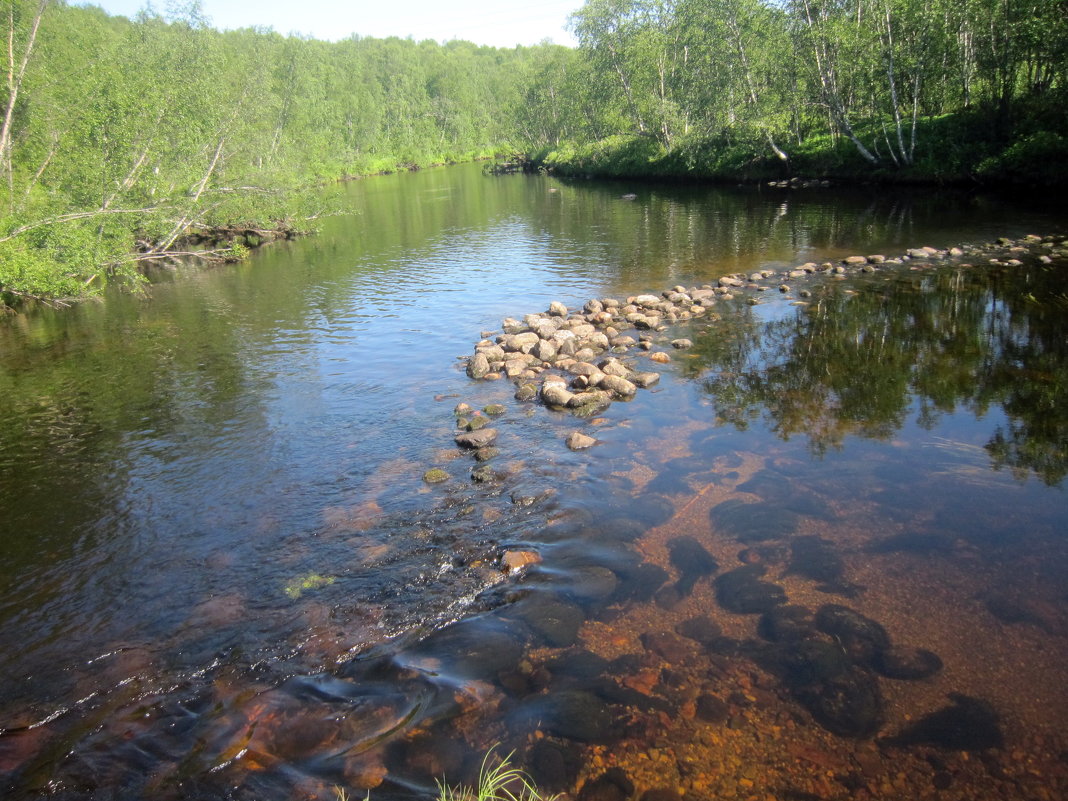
[853, 362]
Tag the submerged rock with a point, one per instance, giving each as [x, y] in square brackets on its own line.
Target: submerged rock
[693, 562]
[860, 636]
[906, 663]
[752, 522]
[787, 624]
[743, 591]
[849, 704]
[526, 392]
[712, 709]
[573, 715]
[968, 724]
[435, 475]
[817, 559]
[613, 785]
[703, 630]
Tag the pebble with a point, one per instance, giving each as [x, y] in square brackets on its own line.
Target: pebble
[578, 441]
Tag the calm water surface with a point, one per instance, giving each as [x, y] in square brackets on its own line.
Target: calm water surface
[221, 574]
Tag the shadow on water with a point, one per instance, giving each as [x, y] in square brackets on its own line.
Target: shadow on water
[824, 556]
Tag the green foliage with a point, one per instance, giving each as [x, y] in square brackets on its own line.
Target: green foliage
[753, 89]
[498, 780]
[1040, 159]
[152, 130]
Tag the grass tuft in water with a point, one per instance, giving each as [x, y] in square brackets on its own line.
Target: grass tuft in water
[501, 782]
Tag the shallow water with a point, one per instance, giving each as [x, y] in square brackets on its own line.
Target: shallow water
[222, 573]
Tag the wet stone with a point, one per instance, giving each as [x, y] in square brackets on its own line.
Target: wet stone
[526, 392]
[861, 636]
[642, 583]
[812, 662]
[968, 724]
[645, 380]
[849, 705]
[817, 559]
[743, 591]
[592, 584]
[752, 522]
[693, 562]
[478, 366]
[477, 422]
[573, 715]
[477, 439]
[786, 624]
[660, 794]
[1017, 610]
[483, 474]
[435, 475]
[613, 785]
[654, 510]
[907, 663]
[578, 441]
[712, 709]
[667, 598]
[487, 453]
[495, 410]
[579, 664]
[703, 630]
[555, 620]
[671, 648]
[471, 649]
[553, 766]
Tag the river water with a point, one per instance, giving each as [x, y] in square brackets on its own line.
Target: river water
[223, 575]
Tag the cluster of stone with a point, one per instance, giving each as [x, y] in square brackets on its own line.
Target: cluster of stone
[571, 359]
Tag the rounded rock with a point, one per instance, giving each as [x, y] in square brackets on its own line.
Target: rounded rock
[578, 441]
[435, 475]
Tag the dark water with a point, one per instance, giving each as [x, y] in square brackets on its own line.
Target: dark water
[221, 574]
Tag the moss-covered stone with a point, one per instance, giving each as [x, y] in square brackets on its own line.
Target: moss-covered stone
[435, 475]
[313, 581]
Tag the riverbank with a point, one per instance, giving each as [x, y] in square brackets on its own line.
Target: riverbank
[69, 259]
[967, 149]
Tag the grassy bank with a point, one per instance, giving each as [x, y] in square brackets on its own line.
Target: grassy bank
[970, 148]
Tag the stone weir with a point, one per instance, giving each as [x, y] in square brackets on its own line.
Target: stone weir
[581, 361]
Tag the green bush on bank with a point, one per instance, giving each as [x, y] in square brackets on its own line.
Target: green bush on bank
[966, 148]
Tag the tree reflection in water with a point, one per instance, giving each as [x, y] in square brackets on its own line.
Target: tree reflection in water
[864, 355]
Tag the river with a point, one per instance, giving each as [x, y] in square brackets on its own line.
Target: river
[222, 573]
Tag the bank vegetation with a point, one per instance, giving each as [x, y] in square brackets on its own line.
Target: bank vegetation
[891, 90]
[128, 142]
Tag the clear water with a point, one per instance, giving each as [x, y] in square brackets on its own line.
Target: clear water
[221, 573]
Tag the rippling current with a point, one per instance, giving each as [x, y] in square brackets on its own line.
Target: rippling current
[823, 557]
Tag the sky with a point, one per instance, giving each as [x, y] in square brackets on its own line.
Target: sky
[500, 23]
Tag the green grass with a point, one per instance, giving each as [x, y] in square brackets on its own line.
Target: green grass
[498, 780]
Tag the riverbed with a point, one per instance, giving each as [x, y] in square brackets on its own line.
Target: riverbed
[224, 574]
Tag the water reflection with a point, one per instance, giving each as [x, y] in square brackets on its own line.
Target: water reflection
[245, 589]
[861, 359]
